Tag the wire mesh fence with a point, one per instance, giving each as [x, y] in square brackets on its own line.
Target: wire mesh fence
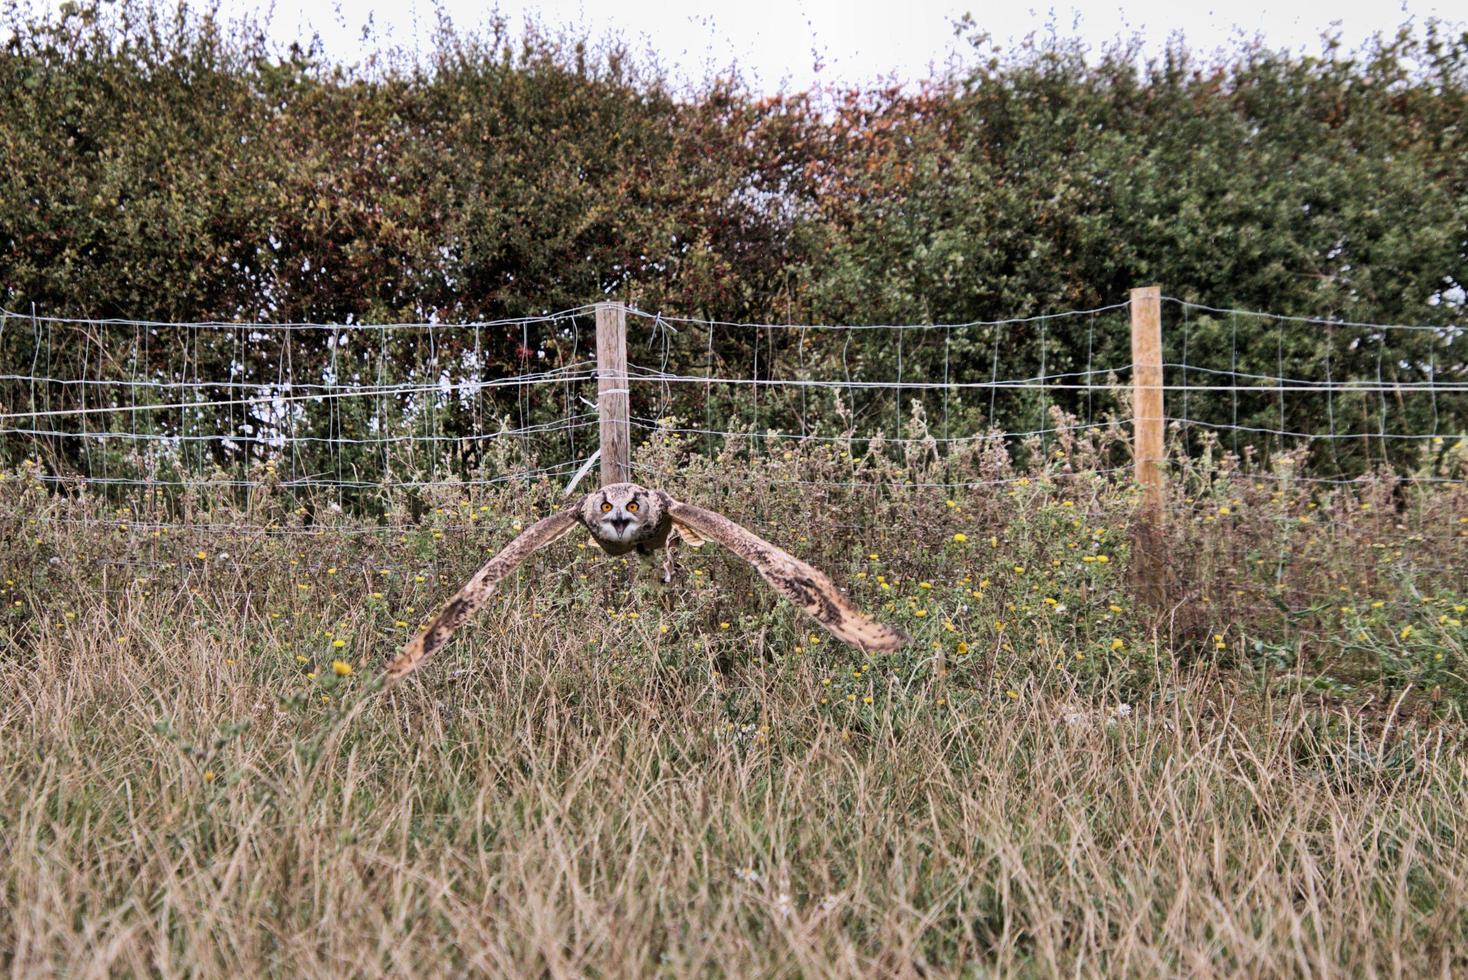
[1350, 396]
[349, 415]
[353, 409]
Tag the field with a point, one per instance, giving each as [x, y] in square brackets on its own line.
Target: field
[291, 343]
[1263, 775]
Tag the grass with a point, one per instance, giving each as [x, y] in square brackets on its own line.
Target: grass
[1263, 776]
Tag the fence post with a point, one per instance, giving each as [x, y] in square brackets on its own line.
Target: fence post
[611, 392]
[1150, 564]
[1147, 417]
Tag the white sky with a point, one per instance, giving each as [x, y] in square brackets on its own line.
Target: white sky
[780, 41]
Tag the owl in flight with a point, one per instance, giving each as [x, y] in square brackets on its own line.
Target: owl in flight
[623, 517]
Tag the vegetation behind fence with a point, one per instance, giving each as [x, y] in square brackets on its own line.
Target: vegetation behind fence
[165, 166]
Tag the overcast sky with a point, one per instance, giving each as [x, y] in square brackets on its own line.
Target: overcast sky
[783, 41]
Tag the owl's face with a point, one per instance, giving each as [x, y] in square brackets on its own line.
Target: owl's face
[622, 513]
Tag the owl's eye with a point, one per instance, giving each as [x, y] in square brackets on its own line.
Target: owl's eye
[632, 507]
[605, 507]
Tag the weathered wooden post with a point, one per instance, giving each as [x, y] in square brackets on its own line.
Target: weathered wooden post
[611, 392]
[1150, 565]
[1147, 418]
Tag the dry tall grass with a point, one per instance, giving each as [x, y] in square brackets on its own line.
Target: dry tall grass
[572, 789]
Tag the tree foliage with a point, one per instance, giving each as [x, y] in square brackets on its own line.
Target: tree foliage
[163, 165]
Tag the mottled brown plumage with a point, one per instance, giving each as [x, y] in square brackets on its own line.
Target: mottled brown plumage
[479, 588]
[802, 584]
[623, 517]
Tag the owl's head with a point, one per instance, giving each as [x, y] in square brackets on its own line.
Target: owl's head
[621, 512]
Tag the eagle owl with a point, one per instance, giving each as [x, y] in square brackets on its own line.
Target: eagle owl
[624, 517]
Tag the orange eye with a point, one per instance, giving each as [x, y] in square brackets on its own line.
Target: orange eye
[606, 507]
[632, 507]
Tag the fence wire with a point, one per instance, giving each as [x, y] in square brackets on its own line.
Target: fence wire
[144, 412]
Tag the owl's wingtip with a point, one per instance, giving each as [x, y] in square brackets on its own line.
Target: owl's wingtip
[893, 641]
[409, 657]
[874, 637]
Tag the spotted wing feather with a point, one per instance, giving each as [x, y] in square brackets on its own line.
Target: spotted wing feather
[479, 588]
[688, 535]
[803, 585]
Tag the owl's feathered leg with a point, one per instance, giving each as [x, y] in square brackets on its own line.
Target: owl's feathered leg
[670, 560]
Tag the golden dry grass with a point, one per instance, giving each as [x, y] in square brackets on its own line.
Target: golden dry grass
[572, 790]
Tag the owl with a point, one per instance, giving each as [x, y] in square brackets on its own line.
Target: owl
[624, 517]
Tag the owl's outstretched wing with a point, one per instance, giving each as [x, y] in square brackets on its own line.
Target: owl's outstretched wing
[803, 585]
[479, 588]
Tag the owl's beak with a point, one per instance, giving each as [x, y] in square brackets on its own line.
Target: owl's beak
[619, 524]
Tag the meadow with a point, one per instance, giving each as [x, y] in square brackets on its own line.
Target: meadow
[281, 371]
[602, 776]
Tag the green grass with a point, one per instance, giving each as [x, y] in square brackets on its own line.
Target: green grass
[600, 776]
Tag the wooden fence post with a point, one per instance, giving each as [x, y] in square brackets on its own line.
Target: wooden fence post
[611, 392]
[1150, 561]
[1147, 417]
